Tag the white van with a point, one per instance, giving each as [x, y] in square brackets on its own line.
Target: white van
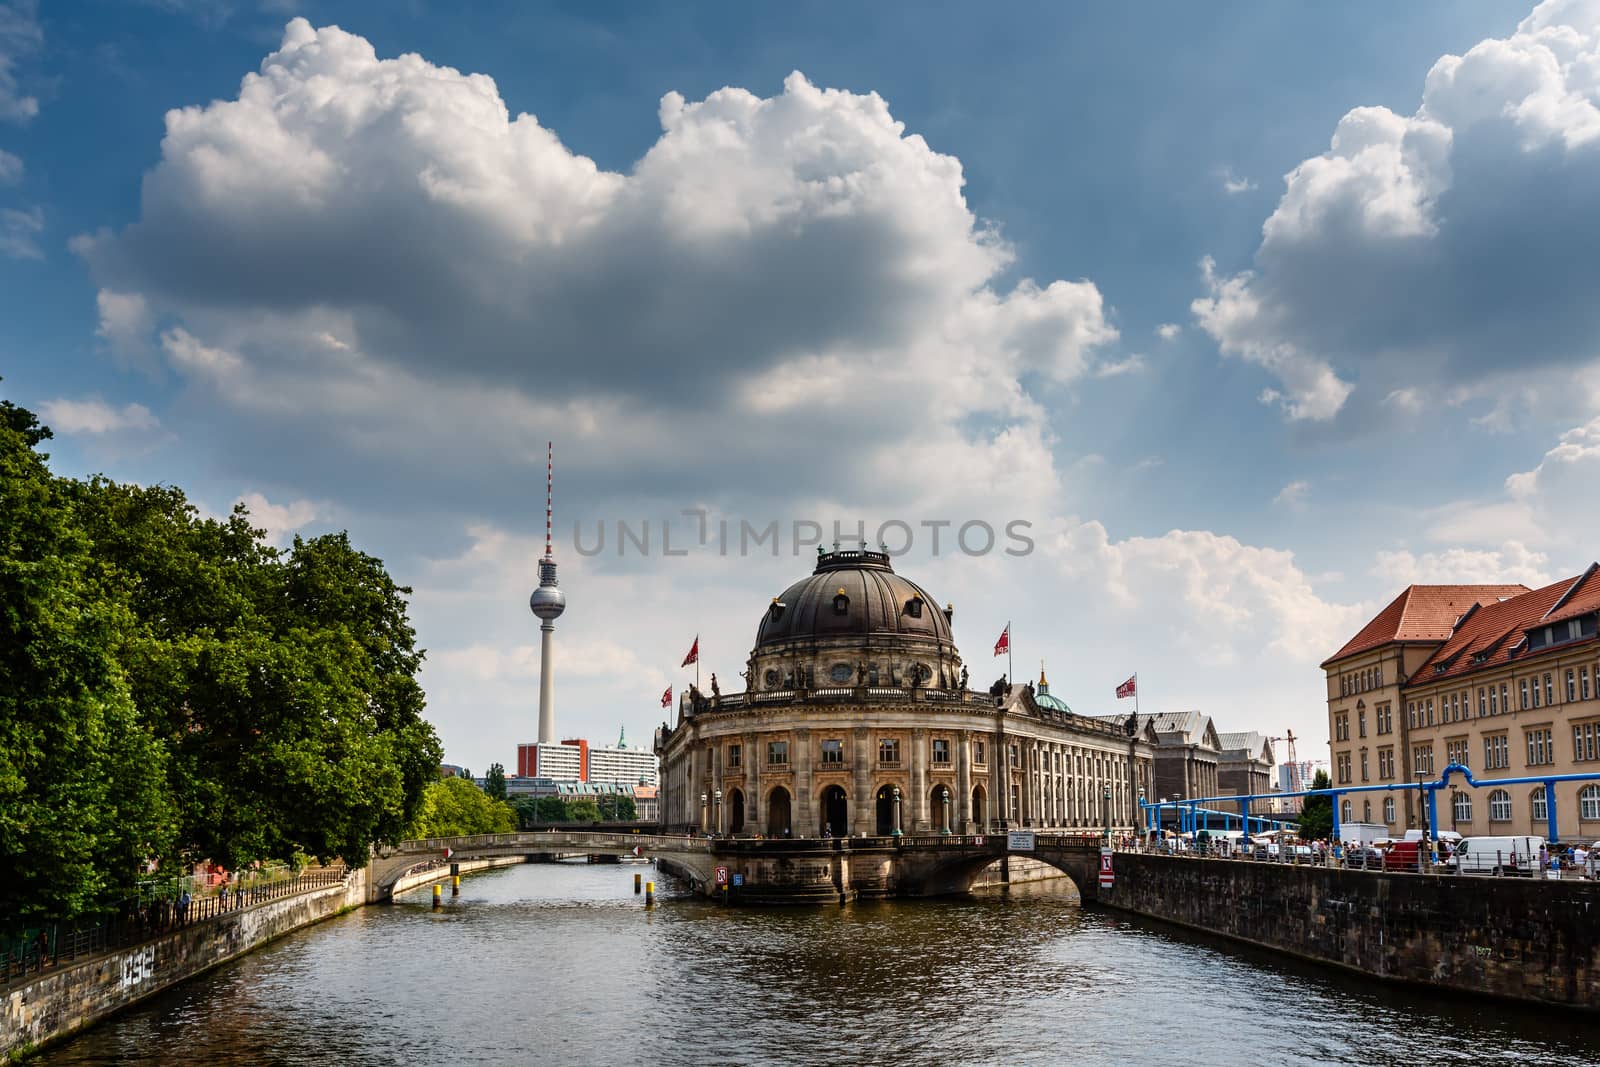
[1497, 855]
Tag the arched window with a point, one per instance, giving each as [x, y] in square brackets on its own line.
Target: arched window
[1500, 806]
[1589, 803]
[1344, 812]
[1541, 809]
[1388, 809]
[1366, 811]
[914, 607]
[1461, 807]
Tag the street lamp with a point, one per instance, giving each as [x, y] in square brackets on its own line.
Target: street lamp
[703, 799]
[945, 796]
[1143, 815]
[1107, 808]
[896, 812]
[717, 796]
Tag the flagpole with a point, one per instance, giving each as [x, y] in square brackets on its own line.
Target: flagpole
[1011, 676]
[1136, 694]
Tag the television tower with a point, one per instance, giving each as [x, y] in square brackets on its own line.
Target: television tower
[547, 602]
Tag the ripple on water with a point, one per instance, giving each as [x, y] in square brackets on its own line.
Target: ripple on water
[561, 964]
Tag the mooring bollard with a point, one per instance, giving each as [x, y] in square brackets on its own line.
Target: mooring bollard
[455, 885]
[649, 894]
[637, 879]
[438, 895]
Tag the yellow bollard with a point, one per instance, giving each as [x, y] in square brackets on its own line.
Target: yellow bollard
[636, 879]
[455, 885]
[649, 894]
[438, 896]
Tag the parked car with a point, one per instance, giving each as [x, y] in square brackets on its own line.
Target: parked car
[1363, 857]
[1517, 855]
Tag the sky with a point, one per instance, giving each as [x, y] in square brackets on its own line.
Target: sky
[1228, 321]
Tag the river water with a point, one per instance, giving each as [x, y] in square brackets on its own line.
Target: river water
[560, 963]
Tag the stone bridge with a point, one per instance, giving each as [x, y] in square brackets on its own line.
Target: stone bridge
[762, 871]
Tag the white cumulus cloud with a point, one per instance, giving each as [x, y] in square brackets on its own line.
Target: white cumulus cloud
[1421, 248]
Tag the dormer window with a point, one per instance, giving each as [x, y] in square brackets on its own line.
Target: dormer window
[841, 603]
[777, 609]
[914, 607]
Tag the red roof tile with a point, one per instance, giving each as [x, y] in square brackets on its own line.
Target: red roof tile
[1496, 630]
[1423, 613]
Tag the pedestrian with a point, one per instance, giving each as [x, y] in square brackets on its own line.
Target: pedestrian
[222, 895]
[183, 906]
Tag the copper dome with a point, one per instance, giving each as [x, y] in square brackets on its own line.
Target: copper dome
[854, 595]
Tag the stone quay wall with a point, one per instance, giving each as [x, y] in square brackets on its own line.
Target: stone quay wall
[78, 995]
[1521, 938]
[440, 872]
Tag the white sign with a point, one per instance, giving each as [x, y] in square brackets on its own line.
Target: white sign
[1019, 841]
[722, 876]
[1107, 877]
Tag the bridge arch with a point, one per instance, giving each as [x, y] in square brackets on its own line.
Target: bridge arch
[950, 873]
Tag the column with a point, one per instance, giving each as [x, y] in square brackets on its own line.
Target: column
[755, 758]
[961, 808]
[863, 805]
[919, 783]
[718, 819]
[804, 814]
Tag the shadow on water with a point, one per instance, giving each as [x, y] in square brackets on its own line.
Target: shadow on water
[562, 964]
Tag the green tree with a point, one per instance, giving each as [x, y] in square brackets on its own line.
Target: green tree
[617, 808]
[584, 809]
[1316, 813]
[83, 790]
[455, 807]
[495, 781]
[551, 809]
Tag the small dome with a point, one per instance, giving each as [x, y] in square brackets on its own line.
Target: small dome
[1042, 697]
[854, 595]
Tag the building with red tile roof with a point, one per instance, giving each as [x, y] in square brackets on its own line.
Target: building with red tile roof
[1502, 679]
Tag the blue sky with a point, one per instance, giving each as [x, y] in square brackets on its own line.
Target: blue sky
[928, 279]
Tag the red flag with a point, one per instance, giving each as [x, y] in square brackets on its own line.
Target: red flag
[1128, 688]
[694, 653]
[1002, 646]
[666, 698]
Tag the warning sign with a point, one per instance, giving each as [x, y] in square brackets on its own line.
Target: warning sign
[1108, 877]
[722, 876]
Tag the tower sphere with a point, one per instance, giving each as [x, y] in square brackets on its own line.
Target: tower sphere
[547, 601]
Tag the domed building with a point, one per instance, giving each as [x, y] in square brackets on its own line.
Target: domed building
[858, 719]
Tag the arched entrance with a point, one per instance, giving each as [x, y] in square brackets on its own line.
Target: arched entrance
[736, 811]
[778, 813]
[835, 812]
[980, 807]
[940, 803]
[886, 813]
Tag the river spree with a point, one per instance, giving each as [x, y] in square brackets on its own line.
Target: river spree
[561, 964]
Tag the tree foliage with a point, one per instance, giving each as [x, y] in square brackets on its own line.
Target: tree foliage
[1316, 813]
[494, 783]
[172, 687]
[456, 807]
[583, 809]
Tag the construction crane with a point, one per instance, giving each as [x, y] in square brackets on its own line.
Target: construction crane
[1295, 776]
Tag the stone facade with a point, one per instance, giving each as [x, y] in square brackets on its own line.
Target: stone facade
[859, 696]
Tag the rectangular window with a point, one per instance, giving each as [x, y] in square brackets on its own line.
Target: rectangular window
[941, 750]
[735, 754]
[1505, 698]
[1483, 702]
[1014, 761]
[1525, 694]
[977, 752]
[1430, 712]
[1361, 725]
[778, 753]
[832, 751]
[1363, 765]
[1572, 686]
[1540, 750]
[1583, 682]
[888, 750]
[1549, 689]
